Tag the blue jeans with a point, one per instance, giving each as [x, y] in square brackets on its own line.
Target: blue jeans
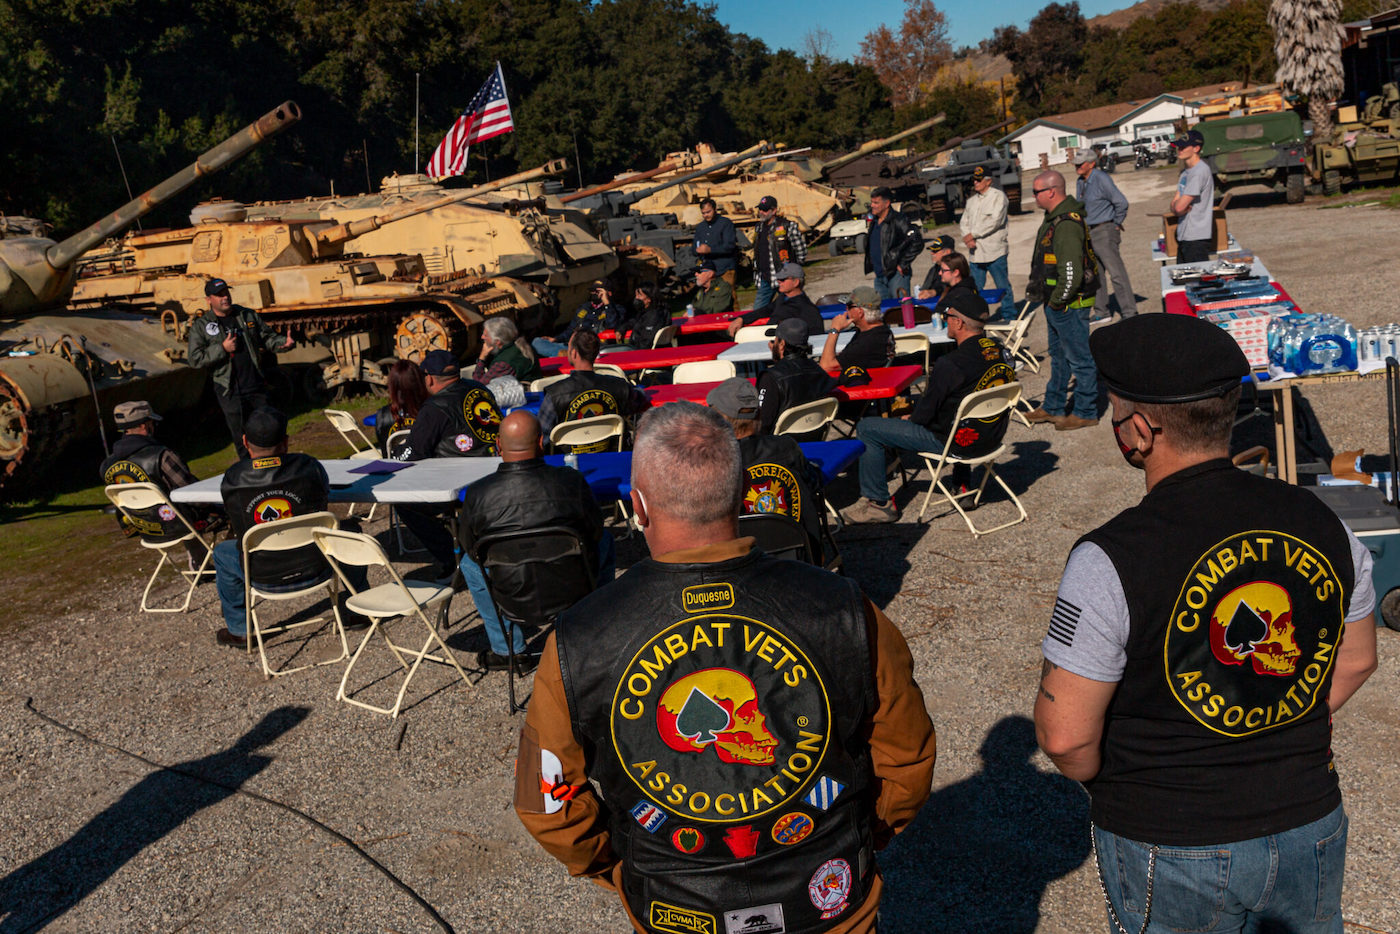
[481, 595]
[228, 579]
[1290, 881]
[1069, 353]
[882, 435]
[549, 348]
[766, 290]
[1000, 280]
[895, 286]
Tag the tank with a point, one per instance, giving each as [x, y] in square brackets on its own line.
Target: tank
[64, 368]
[949, 185]
[350, 313]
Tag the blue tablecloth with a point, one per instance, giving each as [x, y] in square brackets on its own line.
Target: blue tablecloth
[993, 296]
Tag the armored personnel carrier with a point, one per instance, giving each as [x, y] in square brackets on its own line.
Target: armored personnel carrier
[1362, 152]
[63, 368]
[949, 185]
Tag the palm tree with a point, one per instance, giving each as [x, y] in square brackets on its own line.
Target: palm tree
[1308, 45]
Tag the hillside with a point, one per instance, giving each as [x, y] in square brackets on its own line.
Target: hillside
[1122, 19]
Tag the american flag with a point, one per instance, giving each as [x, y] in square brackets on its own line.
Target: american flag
[486, 116]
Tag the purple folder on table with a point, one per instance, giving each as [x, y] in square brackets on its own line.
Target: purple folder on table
[379, 467]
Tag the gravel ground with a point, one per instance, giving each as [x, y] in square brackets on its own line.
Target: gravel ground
[92, 838]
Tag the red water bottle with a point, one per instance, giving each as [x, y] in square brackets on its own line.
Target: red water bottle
[906, 308]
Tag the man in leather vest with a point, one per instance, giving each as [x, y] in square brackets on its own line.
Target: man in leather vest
[524, 493]
[138, 457]
[585, 393]
[459, 419]
[1064, 276]
[793, 378]
[1200, 646]
[753, 724]
[776, 242]
[792, 302]
[892, 245]
[268, 485]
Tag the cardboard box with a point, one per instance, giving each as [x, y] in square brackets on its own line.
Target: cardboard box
[1222, 231]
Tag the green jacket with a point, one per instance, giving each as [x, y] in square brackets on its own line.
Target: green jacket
[206, 339]
[719, 297]
[1064, 270]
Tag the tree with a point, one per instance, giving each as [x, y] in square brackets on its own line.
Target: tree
[1308, 43]
[907, 62]
[1047, 57]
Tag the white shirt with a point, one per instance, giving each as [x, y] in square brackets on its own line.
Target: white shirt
[985, 218]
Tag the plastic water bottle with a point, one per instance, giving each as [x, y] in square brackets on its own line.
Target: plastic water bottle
[690, 311]
[571, 460]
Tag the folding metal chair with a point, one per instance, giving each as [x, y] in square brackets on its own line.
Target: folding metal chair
[283, 535]
[807, 417]
[349, 429]
[753, 333]
[610, 369]
[703, 371]
[386, 601]
[666, 337]
[588, 434]
[979, 412]
[132, 498]
[533, 576]
[539, 385]
[1013, 337]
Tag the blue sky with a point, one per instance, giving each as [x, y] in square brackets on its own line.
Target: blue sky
[783, 24]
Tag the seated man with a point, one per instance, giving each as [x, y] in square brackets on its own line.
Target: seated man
[977, 362]
[585, 393]
[794, 377]
[525, 493]
[599, 313]
[459, 419]
[873, 343]
[777, 476]
[713, 295]
[138, 458]
[792, 302]
[267, 485]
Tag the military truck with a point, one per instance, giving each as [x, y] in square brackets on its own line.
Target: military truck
[947, 187]
[1259, 149]
[1363, 152]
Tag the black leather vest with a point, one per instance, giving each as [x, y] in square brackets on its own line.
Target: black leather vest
[586, 393]
[776, 480]
[1045, 270]
[723, 706]
[796, 378]
[1236, 587]
[265, 489]
[136, 459]
[474, 420]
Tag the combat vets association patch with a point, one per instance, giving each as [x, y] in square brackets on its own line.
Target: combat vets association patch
[720, 718]
[591, 403]
[482, 415]
[1236, 657]
[671, 918]
[760, 919]
[792, 828]
[649, 816]
[829, 887]
[688, 840]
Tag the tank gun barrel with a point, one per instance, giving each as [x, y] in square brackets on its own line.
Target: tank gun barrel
[618, 182]
[877, 144]
[265, 127]
[953, 143]
[632, 197]
[340, 233]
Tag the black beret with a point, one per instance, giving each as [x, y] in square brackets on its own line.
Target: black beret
[1166, 358]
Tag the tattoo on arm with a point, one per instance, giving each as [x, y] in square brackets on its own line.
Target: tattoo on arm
[1046, 667]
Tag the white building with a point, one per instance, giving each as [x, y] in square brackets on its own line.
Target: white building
[1052, 140]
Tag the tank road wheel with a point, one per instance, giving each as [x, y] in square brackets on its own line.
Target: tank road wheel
[1331, 182]
[14, 430]
[422, 332]
[314, 388]
[1294, 190]
[1390, 610]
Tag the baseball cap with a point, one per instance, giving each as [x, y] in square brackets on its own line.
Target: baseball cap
[1167, 359]
[883, 192]
[865, 297]
[979, 173]
[791, 271]
[266, 427]
[792, 331]
[941, 242]
[215, 286]
[1085, 156]
[1192, 138]
[968, 304]
[854, 376]
[439, 363]
[768, 203]
[131, 414]
[735, 398]
[704, 265]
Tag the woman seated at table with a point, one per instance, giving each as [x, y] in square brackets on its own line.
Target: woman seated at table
[649, 315]
[505, 353]
[407, 390]
[959, 294]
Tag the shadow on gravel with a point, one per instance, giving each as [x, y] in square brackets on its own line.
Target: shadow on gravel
[981, 853]
[47, 886]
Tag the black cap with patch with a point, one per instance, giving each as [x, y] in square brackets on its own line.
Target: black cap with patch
[265, 427]
[1167, 359]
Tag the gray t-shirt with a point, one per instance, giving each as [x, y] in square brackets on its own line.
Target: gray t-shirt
[1198, 223]
[1088, 632]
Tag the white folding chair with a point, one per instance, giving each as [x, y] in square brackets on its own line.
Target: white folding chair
[1013, 337]
[610, 369]
[538, 385]
[284, 535]
[588, 434]
[752, 333]
[809, 416]
[703, 371]
[386, 601]
[913, 343]
[345, 423]
[666, 337]
[131, 498]
[982, 408]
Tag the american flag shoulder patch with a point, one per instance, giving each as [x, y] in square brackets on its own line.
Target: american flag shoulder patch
[1063, 621]
[823, 793]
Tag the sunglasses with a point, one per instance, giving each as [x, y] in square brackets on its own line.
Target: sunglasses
[1040, 191]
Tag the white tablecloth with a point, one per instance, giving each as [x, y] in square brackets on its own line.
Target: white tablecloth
[1168, 286]
[754, 351]
[436, 480]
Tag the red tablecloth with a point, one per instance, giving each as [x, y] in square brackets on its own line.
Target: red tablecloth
[886, 382]
[656, 359]
[688, 392]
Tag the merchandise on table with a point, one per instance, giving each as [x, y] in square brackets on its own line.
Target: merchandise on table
[1375, 344]
[1308, 345]
[1249, 326]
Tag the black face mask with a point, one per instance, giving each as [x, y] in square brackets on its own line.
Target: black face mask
[1123, 449]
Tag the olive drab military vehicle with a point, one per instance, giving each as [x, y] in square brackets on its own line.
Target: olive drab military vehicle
[64, 368]
[950, 185]
[350, 313]
[1364, 152]
[1257, 149]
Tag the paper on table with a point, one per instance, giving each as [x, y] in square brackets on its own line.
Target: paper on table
[380, 467]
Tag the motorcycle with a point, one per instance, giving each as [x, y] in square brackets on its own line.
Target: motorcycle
[1143, 158]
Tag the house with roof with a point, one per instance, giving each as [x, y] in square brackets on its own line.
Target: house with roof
[1052, 140]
